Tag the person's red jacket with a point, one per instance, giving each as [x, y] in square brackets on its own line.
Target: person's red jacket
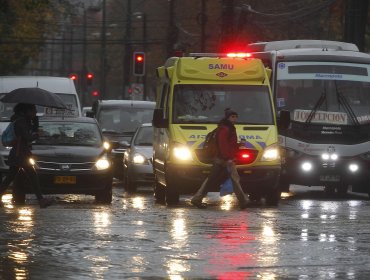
[227, 140]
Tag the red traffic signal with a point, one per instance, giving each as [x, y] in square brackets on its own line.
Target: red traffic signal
[139, 64]
[73, 77]
[89, 78]
[95, 93]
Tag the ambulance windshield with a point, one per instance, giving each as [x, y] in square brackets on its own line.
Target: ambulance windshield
[201, 103]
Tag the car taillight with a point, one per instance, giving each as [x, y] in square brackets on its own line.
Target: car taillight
[246, 156]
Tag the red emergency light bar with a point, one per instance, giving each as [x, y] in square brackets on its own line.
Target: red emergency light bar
[239, 55]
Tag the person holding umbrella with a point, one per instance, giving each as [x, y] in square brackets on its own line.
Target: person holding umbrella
[25, 127]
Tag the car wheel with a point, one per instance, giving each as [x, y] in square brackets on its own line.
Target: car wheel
[129, 185]
[329, 190]
[273, 197]
[19, 197]
[159, 192]
[342, 190]
[104, 196]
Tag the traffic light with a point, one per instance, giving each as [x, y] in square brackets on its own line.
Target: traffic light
[139, 64]
[89, 78]
[95, 93]
[73, 77]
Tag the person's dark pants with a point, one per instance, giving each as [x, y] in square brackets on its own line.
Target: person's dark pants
[218, 175]
[18, 175]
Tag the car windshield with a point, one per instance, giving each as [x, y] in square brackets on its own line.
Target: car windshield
[337, 94]
[144, 136]
[124, 119]
[206, 103]
[69, 134]
[6, 109]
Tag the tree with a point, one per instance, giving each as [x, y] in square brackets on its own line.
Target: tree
[23, 24]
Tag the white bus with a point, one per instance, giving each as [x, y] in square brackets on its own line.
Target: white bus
[325, 86]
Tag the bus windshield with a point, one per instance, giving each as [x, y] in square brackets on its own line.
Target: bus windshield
[201, 103]
[324, 93]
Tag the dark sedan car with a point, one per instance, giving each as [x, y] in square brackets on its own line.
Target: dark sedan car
[71, 157]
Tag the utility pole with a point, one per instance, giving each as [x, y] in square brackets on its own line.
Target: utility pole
[172, 29]
[145, 49]
[227, 28]
[355, 22]
[203, 21]
[103, 54]
[84, 55]
[128, 52]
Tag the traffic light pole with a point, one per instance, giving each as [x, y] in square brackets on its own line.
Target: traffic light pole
[103, 54]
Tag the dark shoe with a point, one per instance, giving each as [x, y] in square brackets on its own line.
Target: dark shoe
[199, 204]
[45, 202]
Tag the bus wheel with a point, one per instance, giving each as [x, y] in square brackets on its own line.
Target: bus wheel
[159, 192]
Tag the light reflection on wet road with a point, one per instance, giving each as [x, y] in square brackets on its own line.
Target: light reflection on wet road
[306, 237]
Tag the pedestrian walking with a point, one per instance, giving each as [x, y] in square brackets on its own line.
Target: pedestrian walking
[223, 166]
[25, 128]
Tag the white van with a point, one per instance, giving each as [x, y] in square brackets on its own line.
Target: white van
[63, 87]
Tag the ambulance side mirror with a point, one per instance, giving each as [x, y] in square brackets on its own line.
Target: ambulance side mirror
[284, 119]
[158, 120]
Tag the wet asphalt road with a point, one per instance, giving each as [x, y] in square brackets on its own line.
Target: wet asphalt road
[308, 236]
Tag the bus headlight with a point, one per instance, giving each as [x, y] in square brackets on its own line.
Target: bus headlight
[182, 152]
[271, 153]
[102, 163]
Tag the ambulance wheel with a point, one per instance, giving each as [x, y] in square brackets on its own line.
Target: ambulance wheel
[159, 192]
[273, 197]
[172, 196]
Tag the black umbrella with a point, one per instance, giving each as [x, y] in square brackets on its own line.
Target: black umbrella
[36, 96]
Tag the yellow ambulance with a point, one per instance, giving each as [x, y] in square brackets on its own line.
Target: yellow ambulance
[192, 94]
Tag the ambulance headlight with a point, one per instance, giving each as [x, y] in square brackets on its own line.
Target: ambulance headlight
[182, 152]
[306, 166]
[353, 167]
[271, 153]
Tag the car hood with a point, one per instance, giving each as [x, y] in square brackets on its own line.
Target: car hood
[146, 151]
[62, 153]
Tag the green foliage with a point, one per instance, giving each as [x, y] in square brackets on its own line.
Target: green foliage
[23, 24]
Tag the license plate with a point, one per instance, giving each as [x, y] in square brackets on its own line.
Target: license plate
[65, 179]
[329, 178]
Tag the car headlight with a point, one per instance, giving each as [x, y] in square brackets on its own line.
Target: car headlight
[32, 161]
[182, 152]
[102, 163]
[139, 159]
[106, 145]
[271, 153]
